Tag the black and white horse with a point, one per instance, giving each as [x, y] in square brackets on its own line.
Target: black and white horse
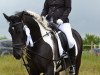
[39, 45]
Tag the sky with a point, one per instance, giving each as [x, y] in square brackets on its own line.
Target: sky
[84, 17]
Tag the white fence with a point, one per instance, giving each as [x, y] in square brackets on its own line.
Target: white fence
[94, 48]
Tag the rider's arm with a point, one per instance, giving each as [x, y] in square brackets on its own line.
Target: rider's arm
[45, 9]
[67, 10]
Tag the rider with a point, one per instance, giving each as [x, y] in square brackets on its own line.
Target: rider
[58, 12]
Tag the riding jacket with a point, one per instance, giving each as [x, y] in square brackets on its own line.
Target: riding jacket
[57, 9]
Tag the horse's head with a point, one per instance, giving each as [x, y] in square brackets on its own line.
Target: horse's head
[17, 34]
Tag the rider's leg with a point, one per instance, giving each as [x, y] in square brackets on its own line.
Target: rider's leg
[66, 28]
[72, 57]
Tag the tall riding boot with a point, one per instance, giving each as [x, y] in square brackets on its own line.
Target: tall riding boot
[72, 57]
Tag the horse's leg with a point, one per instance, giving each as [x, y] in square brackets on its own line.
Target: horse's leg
[34, 71]
[57, 73]
[49, 71]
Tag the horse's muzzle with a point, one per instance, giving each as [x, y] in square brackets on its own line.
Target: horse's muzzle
[18, 52]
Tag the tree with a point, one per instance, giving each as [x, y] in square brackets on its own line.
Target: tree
[2, 37]
[90, 39]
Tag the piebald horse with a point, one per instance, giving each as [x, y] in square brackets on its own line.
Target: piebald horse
[32, 36]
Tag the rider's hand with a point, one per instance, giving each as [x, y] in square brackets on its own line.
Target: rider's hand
[44, 17]
[59, 22]
[53, 26]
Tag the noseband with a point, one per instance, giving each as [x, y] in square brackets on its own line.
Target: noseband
[17, 45]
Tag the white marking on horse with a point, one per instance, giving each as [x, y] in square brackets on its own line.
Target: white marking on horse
[29, 38]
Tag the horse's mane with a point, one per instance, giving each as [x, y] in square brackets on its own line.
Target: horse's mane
[37, 17]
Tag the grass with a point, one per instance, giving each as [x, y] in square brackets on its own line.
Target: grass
[11, 66]
[90, 65]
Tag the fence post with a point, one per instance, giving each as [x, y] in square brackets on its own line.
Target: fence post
[91, 45]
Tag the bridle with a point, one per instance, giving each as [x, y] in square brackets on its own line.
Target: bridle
[17, 45]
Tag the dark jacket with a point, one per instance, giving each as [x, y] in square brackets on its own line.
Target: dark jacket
[57, 9]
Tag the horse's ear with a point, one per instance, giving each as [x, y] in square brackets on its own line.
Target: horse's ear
[7, 17]
[21, 15]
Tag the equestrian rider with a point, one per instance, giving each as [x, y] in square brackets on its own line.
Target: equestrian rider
[58, 12]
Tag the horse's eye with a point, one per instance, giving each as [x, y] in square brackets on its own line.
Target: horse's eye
[12, 28]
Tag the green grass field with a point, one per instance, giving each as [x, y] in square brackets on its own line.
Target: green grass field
[10, 66]
[90, 64]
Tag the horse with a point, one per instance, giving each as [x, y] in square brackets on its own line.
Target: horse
[40, 52]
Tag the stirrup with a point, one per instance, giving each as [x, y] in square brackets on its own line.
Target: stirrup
[72, 70]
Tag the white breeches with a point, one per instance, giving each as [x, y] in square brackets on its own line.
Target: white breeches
[66, 28]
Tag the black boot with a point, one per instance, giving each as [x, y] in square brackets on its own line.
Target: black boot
[72, 57]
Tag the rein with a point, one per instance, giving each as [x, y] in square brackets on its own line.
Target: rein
[41, 37]
[26, 65]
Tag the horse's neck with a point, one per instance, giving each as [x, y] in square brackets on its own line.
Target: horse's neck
[37, 27]
[35, 33]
